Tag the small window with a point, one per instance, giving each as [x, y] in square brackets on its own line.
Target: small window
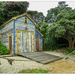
[25, 20]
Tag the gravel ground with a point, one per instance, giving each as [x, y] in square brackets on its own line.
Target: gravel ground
[21, 63]
[18, 64]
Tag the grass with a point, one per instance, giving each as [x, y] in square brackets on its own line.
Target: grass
[34, 71]
[66, 53]
[0, 62]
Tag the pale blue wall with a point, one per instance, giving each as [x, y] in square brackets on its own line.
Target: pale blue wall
[6, 31]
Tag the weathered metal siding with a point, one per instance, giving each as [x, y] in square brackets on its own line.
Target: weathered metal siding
[6, 31]
[37, 35]
[20, 25]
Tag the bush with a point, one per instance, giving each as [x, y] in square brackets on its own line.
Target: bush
[70, 49]
[50, 44]
[3, 49]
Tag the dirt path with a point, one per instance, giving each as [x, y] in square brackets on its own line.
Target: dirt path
[62, 66]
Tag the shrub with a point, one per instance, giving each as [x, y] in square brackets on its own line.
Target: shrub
[50, 44]
[3, 49]
[70, 49]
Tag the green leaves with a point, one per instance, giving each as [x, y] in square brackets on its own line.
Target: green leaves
[63, 24]
[69, 27]
[3, 49]
[11, 9]
[43, 28]
[60, 31]
[36, 16]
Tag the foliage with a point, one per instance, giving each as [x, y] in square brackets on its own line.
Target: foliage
[1, 12]
[43, 28]
[15, 8]
[34, 71]
[70, 49]
[62, 4]
[50, 44]
[64, 26]
[36, 16]
[1, 6]
[11, 9]
[3, 49]
[52, 13]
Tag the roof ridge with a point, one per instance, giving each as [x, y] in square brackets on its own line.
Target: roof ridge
[14, 18]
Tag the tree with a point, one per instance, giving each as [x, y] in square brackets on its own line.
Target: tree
[64, 26]
[1, 5]
[43, 28]
[52, 13]
[62, 4]
[36, 16]
[12, 9]
[1, 13]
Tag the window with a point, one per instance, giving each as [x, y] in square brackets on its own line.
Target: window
[25, 20]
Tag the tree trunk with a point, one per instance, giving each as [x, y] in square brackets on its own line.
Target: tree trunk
[71, 43]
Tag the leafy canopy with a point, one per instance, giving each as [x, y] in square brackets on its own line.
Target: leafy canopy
[36, 16]
[64, 25]
[11, 9]
[52, 13]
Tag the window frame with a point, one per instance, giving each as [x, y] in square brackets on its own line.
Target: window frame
[24, 20]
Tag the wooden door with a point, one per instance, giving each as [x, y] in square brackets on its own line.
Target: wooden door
[10, 44]
[25, 42]
[38, 44]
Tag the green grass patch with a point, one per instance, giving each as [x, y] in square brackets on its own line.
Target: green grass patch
[66, 53]
[34, 71]
[0, 62]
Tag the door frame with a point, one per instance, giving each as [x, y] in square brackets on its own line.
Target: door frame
[39, 43]
[12, 44]
[26, 31]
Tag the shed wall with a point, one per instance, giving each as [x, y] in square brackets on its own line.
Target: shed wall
[20, 25]
[6, 31]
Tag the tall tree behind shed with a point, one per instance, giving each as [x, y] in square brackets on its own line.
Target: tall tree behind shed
[36, 16]
[12, 9]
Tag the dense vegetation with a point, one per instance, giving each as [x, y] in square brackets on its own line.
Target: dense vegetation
[64, 26]
[36, 16]
[3, 49]
[11, 9]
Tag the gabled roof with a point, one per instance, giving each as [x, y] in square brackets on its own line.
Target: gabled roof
[14, 18]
